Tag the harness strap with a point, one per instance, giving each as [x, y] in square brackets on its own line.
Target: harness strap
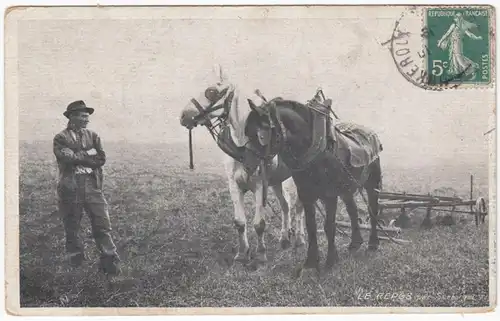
[203, 113]
[263, 177]
[318, 145]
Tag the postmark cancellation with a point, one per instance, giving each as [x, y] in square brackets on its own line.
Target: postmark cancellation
[439, 48]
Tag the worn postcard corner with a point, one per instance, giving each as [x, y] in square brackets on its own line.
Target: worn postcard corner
[250, 160]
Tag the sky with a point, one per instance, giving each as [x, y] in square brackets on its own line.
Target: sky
[139, 73]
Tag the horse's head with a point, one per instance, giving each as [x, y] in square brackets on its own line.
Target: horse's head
[213, 102]
[264, 128]
[279, 126]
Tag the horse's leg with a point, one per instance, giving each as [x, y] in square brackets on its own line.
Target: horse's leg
[308, 200]
[352, 210]
[330, 229]
[259, 223]
[282, 195]
[374, 182]
[296, 211]
[240, 221]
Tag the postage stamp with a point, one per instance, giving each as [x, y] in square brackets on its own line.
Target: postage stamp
[459, 45]
[439, 48]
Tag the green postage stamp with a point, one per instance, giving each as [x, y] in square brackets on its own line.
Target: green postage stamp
[458, 46]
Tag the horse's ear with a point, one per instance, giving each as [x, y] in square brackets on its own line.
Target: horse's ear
[252, 105]
[219, 73]
[222, 73]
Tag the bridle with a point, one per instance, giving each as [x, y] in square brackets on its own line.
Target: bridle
[277, 133]
[277, 136]
[213, 95]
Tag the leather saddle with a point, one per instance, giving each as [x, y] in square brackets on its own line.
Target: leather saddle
[362, 144]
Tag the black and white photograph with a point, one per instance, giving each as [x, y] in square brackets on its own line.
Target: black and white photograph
[297, 159]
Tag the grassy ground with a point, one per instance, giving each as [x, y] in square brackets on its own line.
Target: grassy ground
[174, 232]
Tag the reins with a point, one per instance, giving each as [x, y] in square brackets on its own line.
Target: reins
[191, 162]
[263, 163]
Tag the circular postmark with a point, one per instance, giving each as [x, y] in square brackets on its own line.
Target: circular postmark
[428, 52]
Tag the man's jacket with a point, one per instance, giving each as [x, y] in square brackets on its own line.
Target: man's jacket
[70, 153]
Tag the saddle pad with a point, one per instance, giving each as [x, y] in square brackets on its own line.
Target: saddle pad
[363, 144]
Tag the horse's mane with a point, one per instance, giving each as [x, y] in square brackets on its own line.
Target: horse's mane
[296, 106]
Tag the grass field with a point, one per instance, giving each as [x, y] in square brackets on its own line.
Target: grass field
[173, 228]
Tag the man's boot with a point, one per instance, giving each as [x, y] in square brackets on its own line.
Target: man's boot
[109, 265]
[76, 260]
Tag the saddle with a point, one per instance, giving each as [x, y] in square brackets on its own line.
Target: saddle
[361, 143]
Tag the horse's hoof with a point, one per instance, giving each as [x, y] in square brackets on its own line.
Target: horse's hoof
[331, 263]
[332, 258]
[261, 258]
[373, 244]
[354, 247]
[299, 242]
[285, 243]
[297, 271]
[311, 264]
[308, 271]
[242, 258]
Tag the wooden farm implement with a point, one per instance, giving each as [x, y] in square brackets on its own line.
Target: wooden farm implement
[407, 201]
[452, 204]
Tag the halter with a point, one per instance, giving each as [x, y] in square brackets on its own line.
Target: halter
[277, 135]
[267, 153]
[213, 96]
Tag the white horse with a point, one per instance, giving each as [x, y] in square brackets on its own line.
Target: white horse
[227, 106]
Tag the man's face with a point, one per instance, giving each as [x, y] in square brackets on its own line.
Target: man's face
[80, 119]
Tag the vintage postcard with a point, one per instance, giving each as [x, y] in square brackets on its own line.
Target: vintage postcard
[250, 159]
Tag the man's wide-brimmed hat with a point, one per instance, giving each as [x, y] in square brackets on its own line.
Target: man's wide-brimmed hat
[78, 105]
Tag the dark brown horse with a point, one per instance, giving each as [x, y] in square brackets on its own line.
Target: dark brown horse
[327, 162]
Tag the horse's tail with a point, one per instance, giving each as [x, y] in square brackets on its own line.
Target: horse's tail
[375, 176]
[379, 174]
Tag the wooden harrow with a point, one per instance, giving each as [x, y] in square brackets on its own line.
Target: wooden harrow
[405, 201]
[390, 231]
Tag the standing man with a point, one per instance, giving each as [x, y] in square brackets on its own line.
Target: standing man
[80, 158]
